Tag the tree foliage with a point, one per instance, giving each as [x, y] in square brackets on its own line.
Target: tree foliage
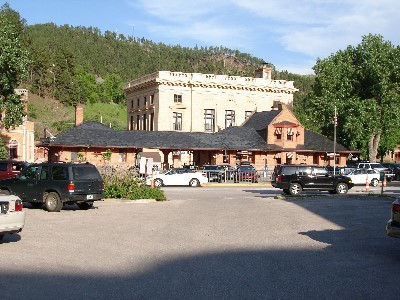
[13, 66]
[3, 150]
[362, 82]
[69, 62]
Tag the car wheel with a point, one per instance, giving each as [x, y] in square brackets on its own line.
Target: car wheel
[53, 202]
[85, 205]
[36, 204]
[158, 182]
[341, 188]
[1, 236]
[295, 189]
[194, 182]
[374, 182]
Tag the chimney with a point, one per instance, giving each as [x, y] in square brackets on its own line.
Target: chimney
[78, 114]
[264, 72]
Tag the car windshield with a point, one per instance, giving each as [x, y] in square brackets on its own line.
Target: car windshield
[246, 168]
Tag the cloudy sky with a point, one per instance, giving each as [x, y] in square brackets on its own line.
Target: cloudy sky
[291, 34]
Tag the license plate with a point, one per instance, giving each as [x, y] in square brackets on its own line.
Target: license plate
[89, 197]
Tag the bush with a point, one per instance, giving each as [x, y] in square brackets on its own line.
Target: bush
[126, 184]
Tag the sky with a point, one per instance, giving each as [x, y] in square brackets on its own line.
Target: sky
[290, 34]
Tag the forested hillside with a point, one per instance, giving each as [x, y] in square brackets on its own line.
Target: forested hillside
[83, 65]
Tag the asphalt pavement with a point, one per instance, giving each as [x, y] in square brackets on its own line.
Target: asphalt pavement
[210, 242]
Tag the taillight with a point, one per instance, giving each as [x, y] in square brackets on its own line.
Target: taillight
[71, 187]
[279, 179]
[18, 205]
[395, 207]
[204, 175]
[102, 185]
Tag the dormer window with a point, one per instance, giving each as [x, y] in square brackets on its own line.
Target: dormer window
[289, 134]
[278, 133]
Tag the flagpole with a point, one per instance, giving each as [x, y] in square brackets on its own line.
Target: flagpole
[334, 143]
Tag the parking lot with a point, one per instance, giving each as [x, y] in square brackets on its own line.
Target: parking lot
[206, 243]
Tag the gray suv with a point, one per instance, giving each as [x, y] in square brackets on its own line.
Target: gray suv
[292, 179]
[56, 184]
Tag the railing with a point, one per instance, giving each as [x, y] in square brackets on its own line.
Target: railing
[257, 176]
[177, 126]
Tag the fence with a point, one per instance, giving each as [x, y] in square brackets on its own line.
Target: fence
[233, 176]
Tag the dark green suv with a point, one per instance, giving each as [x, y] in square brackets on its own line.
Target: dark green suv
[292, 179]
[56, 184]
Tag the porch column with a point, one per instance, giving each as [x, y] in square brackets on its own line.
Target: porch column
[166, 152]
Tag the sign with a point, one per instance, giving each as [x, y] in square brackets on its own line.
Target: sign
[333, 154]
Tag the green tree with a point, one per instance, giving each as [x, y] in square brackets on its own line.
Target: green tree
[13, 66]
[112, 88]
[86, 90]
[3, 150]
[362, 82]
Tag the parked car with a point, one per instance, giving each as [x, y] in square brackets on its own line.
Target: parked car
[362, 176]
[393, 225]
[214, 172]
[245, 173]
[56, 184]
[394, 170]
[293, 179]
[11, 168]
[12, 215]
[378, 167]
[178, 176]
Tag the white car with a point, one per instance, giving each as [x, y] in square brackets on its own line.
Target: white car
[361, 176]
[178, 176]
[12, 215]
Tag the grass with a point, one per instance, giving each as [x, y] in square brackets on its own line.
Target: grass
[55, 117]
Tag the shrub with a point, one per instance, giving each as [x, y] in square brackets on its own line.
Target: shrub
[126, 184]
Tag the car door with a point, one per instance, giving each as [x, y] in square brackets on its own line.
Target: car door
[304, 175]
[24, 185]
[358, 176]
[323, 179]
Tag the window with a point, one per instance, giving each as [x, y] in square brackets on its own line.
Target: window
[144, 122]
[278, 133]
[152, 121]
[13, 151]
[122, 156]
[177, 121]
[132, 123]
[3, 167]
[44, 173]
[60, 173]
[151, 99]
[209, 118]
[132, 104]
[138, 102]
[145, 101]
[320, 171]
[229, 118]
[177, 98]
[289, 134]
[29, 173]
[247, 114]
[137, 122]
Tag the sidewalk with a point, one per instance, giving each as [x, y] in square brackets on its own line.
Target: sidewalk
[244, 183]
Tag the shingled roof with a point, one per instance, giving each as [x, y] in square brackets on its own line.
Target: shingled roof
[250, 136]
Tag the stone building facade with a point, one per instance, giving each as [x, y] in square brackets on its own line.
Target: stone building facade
[195, 102]
[20, 141]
